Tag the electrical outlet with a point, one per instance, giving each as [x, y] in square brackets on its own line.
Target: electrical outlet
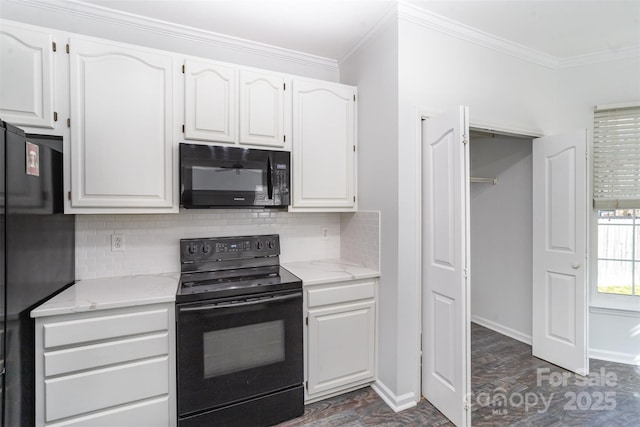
[324, 233]
[117, 242]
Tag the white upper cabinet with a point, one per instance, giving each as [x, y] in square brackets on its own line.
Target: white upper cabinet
[121, 127]
[324, 144]
[210, 102]
[262, 109]
[26, 76]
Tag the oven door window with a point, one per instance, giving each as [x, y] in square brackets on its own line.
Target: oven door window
[244, 347]
[231, 351]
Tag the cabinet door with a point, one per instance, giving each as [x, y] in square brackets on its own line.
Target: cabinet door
[26, 76]
[341, 342]
[121, 122]
[261, 109]
[323, 145]
[210, 102]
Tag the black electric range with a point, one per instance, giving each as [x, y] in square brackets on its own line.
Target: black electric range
[239, 333]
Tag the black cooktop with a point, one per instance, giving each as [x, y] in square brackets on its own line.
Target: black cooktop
[228, 267]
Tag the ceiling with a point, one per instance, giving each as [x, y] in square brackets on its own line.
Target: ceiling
[330, 28]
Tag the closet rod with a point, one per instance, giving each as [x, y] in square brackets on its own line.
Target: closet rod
[493, 181]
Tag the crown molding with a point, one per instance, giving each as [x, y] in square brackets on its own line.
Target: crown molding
[414, 14]
[97, 13]
[600, 57]
[390, 14]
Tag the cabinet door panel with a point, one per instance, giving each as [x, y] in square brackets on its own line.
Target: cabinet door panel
[210, 102]
[26, 77]
[82, 330]
[323, 145]
[67, 396]
[261, 109]
[148, 413]
[340, 292]
[103, 354]
[341, 346]
[121, 144]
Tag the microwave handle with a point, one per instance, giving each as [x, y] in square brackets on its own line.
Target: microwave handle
[269, 179]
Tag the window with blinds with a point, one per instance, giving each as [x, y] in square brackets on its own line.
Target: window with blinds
[616, 158]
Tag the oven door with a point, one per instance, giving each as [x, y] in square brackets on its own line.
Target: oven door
[232, 350]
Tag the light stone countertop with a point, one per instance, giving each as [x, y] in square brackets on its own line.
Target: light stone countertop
[328, 271]
[111, 292]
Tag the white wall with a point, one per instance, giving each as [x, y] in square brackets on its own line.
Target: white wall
[439, 72]
[501, 233]
[373, 67]
[433, 72]
[612, 335]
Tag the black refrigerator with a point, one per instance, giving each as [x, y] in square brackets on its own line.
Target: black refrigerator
[38, 257]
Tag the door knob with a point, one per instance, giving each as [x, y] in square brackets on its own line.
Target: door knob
[575, 266]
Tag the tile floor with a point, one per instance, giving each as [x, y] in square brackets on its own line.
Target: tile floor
[510, 388]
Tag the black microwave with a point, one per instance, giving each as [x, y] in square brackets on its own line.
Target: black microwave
[231, 177]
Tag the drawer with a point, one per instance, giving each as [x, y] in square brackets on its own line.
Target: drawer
[106, 353]
[340, 292]
[89, 391]
[100, 328]
[149, 413]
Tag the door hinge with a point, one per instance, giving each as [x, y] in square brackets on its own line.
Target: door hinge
[354, 199]
[67, 47]
[55, 116]
[68, 123]
[182, 128]
[306, 385]
[354, 148]
[284, 86]
[284, 138]
[54, 46]
[69, 195]
[464, 139]
[306, 321]
[466, 273]
[182, 68]
[354, 97]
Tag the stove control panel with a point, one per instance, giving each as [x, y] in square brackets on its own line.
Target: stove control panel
[224, 248]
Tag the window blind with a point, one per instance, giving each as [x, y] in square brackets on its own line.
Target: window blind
[616, 158]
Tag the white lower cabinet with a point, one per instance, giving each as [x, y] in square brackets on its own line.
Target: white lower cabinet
[340, 337]
[110, 367]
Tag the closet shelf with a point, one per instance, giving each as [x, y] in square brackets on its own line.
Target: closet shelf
[493, 180]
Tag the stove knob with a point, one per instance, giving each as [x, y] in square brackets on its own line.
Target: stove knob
[206, 249]
[259, 245]
[270, 244]
[193, 249]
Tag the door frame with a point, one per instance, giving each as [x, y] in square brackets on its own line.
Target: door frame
[424, 113]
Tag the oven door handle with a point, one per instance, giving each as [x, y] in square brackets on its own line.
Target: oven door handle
[256, 301]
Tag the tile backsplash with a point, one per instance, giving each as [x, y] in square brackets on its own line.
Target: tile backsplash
[151, 242]
[360, 238]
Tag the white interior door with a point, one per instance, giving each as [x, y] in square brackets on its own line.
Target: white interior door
[445, 254]
[559, 251]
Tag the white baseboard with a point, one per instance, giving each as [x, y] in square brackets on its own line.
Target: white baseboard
[397, 403]
[614, 356]
[504, 330]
